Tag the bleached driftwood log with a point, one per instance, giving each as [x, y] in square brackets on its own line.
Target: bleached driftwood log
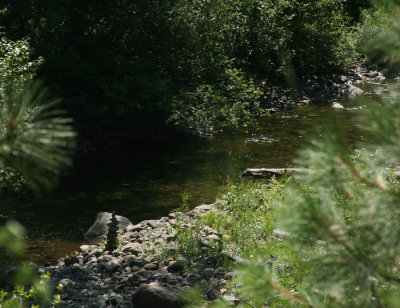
[269, 172]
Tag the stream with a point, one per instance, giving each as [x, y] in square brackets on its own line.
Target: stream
[147, 183]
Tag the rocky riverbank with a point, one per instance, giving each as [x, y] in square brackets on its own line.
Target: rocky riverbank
[148, 269]
[319, 88]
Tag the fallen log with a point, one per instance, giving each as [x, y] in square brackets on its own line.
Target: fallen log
[269, 173]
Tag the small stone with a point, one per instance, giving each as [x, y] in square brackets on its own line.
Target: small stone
[84, 249]
[229, 298]
[212, 294]
[155, 295]
[133, 261]
[208, 273]
[192, 278]
[107, 280]
[66, 281]
[71, 260]
[171, 237]
[155, 224]
[210, 260]
[111, 266]
[219, 272]
[354, 91]
[337, 105]
[151, 266]
[134, 228]
[176, 266]
[228, 276]
[133, 248]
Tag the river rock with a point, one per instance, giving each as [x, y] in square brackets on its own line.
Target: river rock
[133, 248]
[151, 266]
[354, 91]
[154, 295]
[71, 260]
[176, 266]
[208, 273]
[99, 229]
[337, 105]
[219, 272]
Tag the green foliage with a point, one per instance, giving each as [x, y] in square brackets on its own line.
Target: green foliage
[234, 102]
[384, 28]
[36, 140]
[35, 137]
[39, 292]
[16, 66]
[185, 205]
[246, 221]
[342, 216]
[180, 59]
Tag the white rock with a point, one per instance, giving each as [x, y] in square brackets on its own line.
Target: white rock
[337, 105]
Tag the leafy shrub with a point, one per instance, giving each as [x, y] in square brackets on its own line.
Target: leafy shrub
[234, 102]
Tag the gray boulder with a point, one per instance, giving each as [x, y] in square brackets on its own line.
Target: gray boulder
[98, 230]
[155, 296]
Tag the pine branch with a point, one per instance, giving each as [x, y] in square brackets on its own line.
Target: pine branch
[340, 240]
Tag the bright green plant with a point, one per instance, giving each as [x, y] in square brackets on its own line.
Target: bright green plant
[185, 204]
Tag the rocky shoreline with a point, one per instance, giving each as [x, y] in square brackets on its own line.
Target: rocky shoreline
[319, 88]
[147, 269]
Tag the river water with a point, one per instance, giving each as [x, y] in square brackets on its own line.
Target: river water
[147, 183]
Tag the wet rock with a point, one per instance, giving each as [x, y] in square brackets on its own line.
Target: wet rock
[99, 229]
[155, 295]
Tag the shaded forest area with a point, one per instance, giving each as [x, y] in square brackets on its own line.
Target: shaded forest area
[124, 67]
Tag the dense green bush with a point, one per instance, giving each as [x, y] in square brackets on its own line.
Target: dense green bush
[129, 59]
